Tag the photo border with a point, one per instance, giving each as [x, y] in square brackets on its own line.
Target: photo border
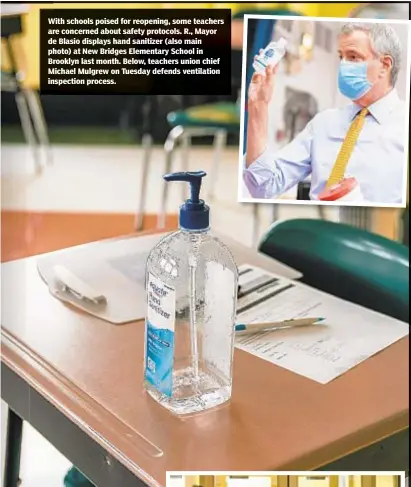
[303, 473]
[287, 201]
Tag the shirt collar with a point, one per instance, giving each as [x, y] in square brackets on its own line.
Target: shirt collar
[382, 108]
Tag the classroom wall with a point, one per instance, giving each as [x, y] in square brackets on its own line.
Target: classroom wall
[318, 78]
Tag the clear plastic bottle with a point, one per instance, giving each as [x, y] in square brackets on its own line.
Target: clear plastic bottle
[271, 55]
[192, 293]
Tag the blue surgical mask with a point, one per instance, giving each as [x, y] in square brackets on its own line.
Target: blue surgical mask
[352, 79]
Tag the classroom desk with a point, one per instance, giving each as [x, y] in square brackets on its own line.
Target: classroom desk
[78, 381]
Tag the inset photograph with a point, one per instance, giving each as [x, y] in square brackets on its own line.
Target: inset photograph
[325, 111]
[295, 479]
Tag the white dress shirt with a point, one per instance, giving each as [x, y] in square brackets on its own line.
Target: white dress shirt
[377, 161]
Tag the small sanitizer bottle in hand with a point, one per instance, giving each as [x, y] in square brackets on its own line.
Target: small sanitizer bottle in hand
[191, 284]
[271, 55]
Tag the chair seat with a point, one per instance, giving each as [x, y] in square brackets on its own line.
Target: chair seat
[215, 115]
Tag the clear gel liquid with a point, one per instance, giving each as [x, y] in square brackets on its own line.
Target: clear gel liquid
[204, 275]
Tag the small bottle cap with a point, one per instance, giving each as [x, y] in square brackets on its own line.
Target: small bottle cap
[281, 42]
[194, 213]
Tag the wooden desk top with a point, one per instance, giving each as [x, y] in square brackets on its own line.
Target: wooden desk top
[277, 420]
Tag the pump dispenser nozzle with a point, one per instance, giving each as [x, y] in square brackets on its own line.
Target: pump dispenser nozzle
[194, 213]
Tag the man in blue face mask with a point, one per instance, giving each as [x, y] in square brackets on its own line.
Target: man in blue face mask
[364, 140]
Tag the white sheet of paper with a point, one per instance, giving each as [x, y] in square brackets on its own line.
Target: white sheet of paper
[175, 481]
[116, 269]
[349, 335]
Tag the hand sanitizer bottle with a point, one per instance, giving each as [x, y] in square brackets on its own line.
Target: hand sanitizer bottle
[271, 55]
[191, 283]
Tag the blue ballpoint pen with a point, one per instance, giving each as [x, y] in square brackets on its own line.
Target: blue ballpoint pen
[269, 326]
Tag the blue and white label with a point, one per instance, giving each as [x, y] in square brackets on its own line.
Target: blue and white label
[160, 324]
[268, 53]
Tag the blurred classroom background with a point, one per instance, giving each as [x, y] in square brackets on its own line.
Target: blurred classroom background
[76, 169]
[92, 165]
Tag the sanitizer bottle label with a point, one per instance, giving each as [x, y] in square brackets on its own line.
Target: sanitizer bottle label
[160, 335]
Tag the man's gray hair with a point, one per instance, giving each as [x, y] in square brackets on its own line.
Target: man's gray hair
[384, 41]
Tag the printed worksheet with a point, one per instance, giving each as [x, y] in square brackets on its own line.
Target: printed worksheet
[348, 335]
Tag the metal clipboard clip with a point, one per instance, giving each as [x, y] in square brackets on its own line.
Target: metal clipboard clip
[69, 287]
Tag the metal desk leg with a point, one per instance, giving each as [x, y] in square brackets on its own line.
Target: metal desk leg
[39, 122]
[185, 143]
[220, 140]
[322, 212]
[147, 145]
[172, 139]
[23, 107]
[276, 212]
[27, 128]
[256, 223]
[13, 450]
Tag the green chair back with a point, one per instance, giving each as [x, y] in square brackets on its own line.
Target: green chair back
[75, 478]
[345, 261]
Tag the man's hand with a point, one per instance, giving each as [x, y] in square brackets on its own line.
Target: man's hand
[260, 93]
[262, 86]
